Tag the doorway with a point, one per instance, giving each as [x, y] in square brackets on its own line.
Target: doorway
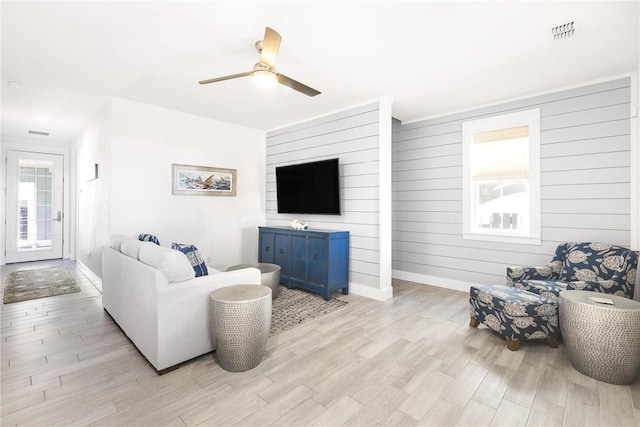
[34, 206]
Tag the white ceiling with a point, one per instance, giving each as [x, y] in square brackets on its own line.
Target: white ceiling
[428, 57]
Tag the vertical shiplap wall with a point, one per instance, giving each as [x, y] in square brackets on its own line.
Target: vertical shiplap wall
[585, 186]
[353, 136]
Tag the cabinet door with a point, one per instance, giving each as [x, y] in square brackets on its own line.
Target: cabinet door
[267, 247]
[299, 257]
[317, 256]
[282, 254]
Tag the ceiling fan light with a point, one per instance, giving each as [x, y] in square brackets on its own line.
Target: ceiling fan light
[264, 79]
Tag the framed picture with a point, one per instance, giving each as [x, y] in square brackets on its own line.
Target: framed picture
[203, 181]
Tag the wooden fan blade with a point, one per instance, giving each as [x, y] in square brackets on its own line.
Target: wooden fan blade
[219, 79]
[287, 81]
[270, 47]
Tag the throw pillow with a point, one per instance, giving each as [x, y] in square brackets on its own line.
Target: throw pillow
[149, 238]
[194, 257]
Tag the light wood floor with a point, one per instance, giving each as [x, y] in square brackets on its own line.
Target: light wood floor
[409, 361]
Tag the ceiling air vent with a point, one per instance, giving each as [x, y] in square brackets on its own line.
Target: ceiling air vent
[37, 132]
[563, 31]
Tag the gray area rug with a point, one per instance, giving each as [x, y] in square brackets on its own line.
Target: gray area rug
[24, 285]
[294, 307]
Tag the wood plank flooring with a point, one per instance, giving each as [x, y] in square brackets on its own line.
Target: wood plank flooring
[410, 361]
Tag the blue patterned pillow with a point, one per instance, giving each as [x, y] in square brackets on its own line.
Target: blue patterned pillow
[149, 238]
[194, 258]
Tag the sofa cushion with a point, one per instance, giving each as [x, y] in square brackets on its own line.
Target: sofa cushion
[196, 260]
[149, 238]
[131, 247]
[174, 264]
[116, 241]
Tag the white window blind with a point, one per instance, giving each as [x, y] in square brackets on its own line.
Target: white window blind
[500, 154]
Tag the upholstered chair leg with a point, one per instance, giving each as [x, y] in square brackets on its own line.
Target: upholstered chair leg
[513, 345]
[473, 323]
[552, 342]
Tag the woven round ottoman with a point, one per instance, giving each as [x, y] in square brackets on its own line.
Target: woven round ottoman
[240, 321]
[270, 275]
[603, 341]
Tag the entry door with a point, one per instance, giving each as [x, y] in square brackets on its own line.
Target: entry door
[34, 201]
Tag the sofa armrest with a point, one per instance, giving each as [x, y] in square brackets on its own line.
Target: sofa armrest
[518, 274]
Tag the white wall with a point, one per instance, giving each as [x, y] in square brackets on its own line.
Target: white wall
[361, 138]
[93, 146]
[145, 141]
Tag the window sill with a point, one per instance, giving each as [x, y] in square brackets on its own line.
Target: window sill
[503, 238]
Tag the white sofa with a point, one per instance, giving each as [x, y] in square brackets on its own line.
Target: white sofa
[159, 305]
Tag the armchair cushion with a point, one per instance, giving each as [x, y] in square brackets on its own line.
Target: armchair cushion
[546, 288]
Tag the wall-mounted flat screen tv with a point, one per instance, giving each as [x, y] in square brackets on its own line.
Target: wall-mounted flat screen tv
[309, 188]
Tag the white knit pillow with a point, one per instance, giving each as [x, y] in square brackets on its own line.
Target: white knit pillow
[116, 241]
[131, 247]
[174, 264]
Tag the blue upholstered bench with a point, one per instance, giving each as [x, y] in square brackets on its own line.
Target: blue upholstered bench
[515, 314]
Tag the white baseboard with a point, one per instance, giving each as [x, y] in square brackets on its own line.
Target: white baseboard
[93, 278]
[441, 282]
[369, 292]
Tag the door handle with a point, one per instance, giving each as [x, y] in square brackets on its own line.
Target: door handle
[58, 217]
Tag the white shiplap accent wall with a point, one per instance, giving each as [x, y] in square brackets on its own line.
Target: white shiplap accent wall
[353, 136]
[585, 186]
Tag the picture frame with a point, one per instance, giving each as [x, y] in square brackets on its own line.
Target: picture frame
[193, 180]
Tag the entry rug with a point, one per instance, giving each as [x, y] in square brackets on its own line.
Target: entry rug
[294, 307]
[24, 285]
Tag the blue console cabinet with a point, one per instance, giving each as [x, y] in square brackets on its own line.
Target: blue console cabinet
[315, 260]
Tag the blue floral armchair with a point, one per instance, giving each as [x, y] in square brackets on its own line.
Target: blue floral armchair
[582, 266]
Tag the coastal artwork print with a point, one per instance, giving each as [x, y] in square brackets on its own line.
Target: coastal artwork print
[203, 181]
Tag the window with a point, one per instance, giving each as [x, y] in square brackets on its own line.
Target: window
[501, 178]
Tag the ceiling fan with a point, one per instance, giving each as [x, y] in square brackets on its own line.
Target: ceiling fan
[264, 73]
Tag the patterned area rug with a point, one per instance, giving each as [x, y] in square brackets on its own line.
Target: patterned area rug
[294, 307]
[24, 285]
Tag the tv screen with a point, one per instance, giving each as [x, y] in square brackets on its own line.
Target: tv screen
[309, 188]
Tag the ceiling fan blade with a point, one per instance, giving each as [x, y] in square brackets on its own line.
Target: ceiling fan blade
[270, 47]
[287, 81]
[229, 77]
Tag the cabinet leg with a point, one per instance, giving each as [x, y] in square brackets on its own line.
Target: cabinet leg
[345, 291]
[552, 342]
[473, 323]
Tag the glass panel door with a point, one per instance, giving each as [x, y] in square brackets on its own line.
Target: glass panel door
[34, 206]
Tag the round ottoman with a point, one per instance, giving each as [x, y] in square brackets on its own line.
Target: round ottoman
[603, 341]
[240, 318]
[270, 275]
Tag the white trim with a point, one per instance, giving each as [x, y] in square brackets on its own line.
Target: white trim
[323, 115]
[369, 292]
[635, 163]
[385, 194]
[519, 98]
[93, 278]
[440, 282]
[522, 240]
[531, 118]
